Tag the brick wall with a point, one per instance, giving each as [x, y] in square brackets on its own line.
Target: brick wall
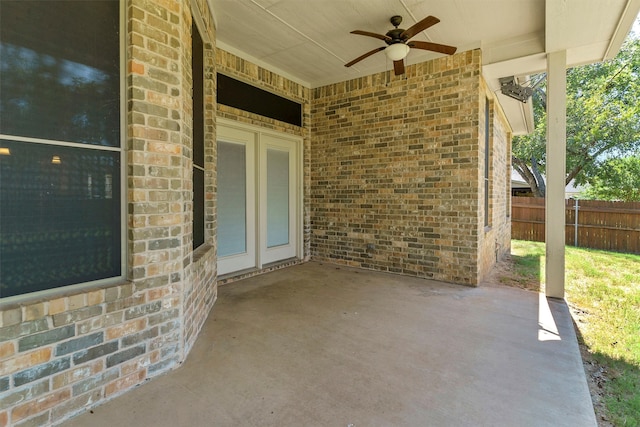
[391, 182]
[395, 170]
[200, 289]
[63, 354]
[495, 240]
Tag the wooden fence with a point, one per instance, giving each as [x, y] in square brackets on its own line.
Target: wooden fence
[612, 226]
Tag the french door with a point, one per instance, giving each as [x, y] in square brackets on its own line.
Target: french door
[258, 198]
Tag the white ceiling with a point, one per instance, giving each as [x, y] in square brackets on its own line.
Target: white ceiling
[309, 41]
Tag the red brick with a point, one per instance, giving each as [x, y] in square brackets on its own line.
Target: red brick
[25, 361]
[39, 405]
[163, 147]
[126, 329]
[125, 383]
[7, 349]
[77, 374]
[136, 68]
[158, 293]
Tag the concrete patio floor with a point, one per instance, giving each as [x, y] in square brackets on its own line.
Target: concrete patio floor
[323, 345]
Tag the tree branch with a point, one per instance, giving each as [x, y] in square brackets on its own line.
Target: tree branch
[573, 174]
[542, 187]
[523, 169]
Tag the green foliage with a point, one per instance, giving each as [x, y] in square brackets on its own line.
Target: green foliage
[603, 118]
[618, 179]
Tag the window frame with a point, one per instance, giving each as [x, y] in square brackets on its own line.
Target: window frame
[79, 287]
[199, 220]
[488, 159]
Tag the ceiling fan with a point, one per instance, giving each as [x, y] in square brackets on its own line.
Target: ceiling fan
[398, 43]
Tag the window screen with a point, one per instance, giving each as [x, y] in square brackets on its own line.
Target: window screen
[60, 221]
[198, 137]
[487, 164]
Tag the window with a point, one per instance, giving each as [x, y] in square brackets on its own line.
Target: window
[243, 96]
[60, 148]
[508, 175]
[197, 70]
[487, 164]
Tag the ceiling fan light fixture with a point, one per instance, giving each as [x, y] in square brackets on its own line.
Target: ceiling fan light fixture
[398, 44]
[396, 51]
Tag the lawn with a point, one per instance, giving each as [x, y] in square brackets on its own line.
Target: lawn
[603, 292]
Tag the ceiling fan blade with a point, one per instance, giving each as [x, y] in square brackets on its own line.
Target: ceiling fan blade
[434, 47]
[419, 26]
[366, 55]
[398, 67]
[374, 35]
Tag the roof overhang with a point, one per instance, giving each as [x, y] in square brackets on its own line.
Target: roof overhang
[309, 41]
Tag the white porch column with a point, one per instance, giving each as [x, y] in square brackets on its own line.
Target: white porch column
[556, 172]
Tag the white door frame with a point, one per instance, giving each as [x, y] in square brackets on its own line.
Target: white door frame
[288, 250]
[265, 138]
[246, 259]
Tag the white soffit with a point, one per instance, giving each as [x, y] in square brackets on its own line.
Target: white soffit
[309, 41]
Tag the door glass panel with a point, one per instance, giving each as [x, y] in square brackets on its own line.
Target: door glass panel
[232, 196]
[277, 198]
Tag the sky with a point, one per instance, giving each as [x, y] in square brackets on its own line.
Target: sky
[636, 27]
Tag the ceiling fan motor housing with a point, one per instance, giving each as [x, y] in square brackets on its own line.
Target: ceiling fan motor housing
[395, 36]
[395, 20]
[395, 33]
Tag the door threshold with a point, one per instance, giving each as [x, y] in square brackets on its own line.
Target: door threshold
[249, 272]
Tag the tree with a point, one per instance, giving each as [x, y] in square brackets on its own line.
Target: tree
[603, 120]
[619, 179]
[43, 96]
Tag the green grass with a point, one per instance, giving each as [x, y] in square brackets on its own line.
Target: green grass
[603, 290]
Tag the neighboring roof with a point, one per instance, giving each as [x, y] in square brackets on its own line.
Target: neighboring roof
[517, 181]
[519, 184]
[309, 41]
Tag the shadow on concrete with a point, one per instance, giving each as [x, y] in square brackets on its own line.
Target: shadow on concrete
[606, 375]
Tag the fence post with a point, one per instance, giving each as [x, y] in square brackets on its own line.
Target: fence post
[575, 227]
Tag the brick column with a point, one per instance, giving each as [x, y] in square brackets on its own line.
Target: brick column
[155, 165]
